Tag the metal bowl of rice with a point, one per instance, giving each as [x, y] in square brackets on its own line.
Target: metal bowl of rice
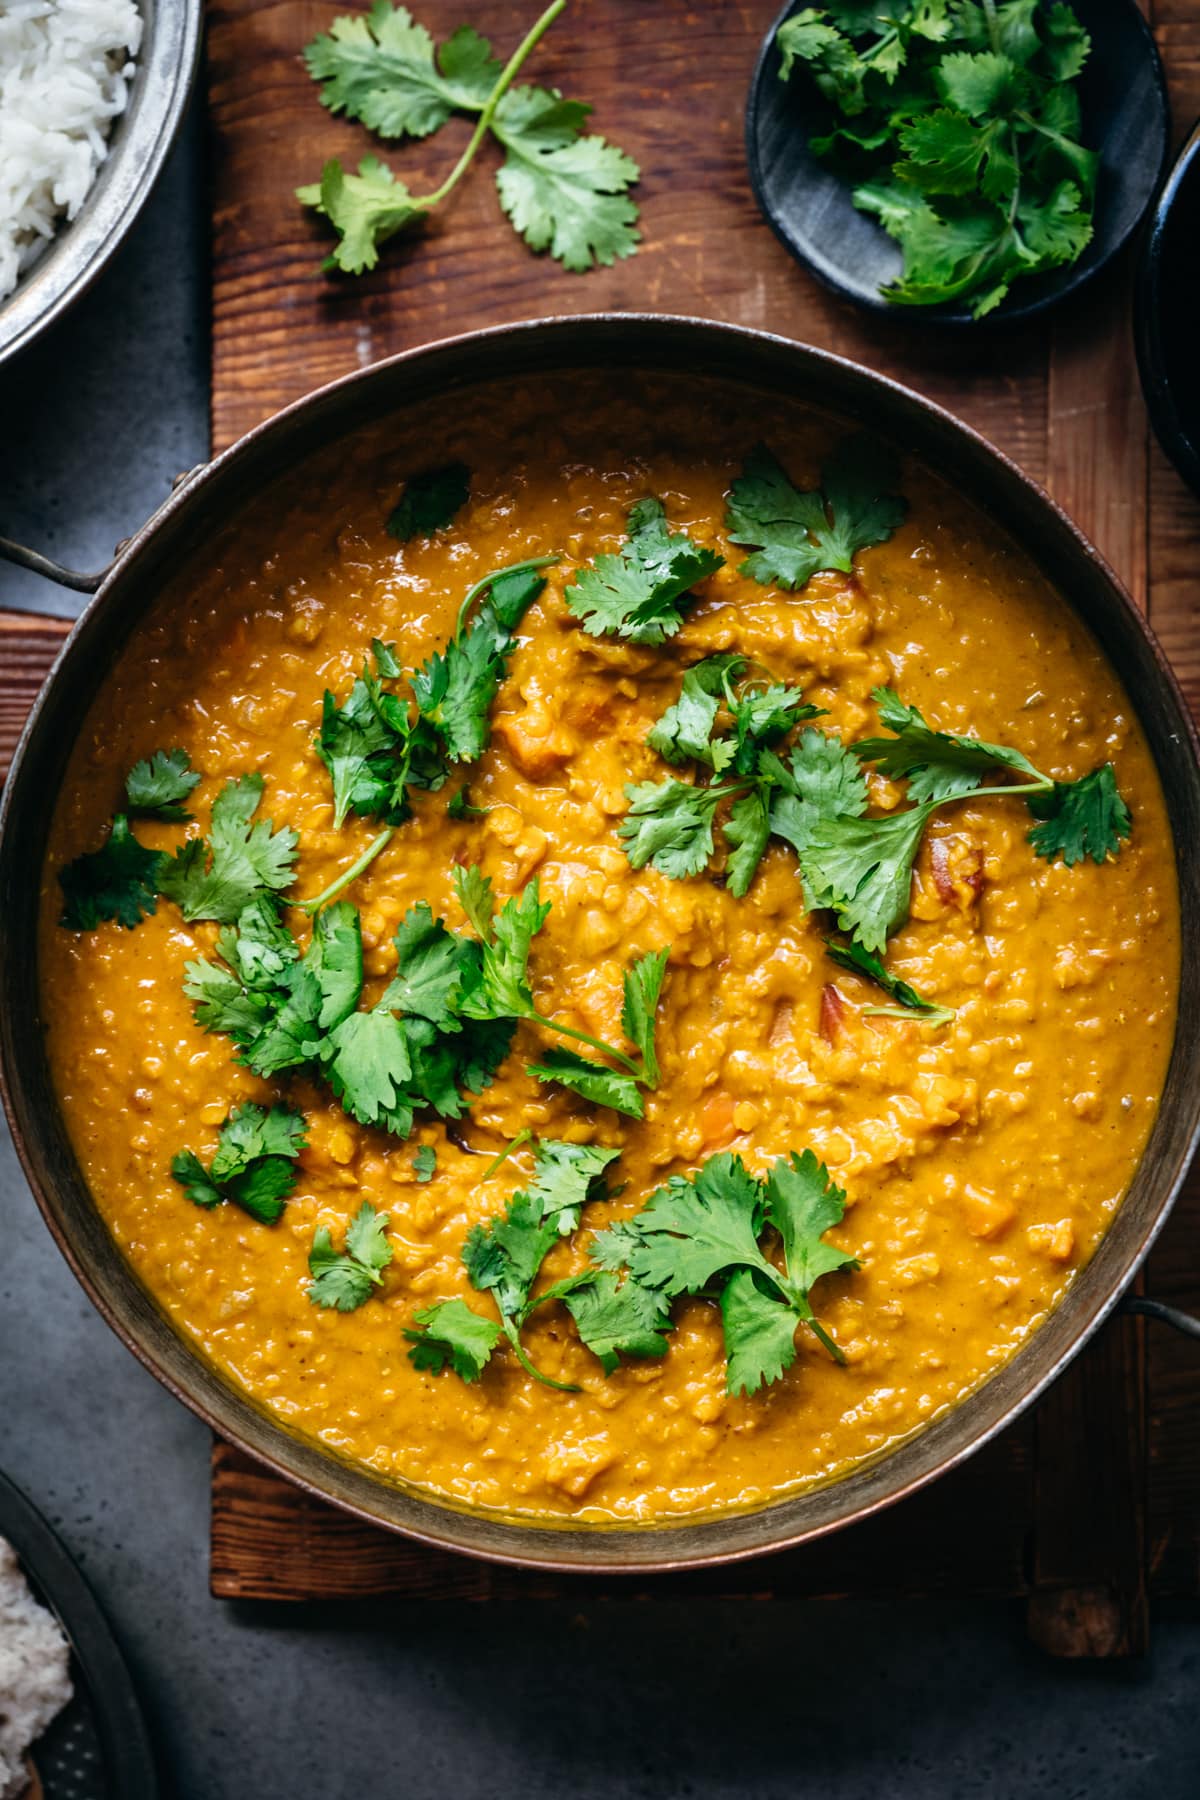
[92, 94]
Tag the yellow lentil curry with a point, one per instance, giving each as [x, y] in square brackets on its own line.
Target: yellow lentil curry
[982, 1159]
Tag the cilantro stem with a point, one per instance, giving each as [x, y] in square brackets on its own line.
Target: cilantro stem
[512, 1334]
[347, 876]
[522, 1137]
[473, 593]
[638, 1073]
[428, 201]
[819, 1331]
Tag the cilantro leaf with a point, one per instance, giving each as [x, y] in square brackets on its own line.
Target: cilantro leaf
[593, 1081]
[760, 716]
[118, 882]
[425, 1163]
[454, 690]
[452, 1335]
[563, 1176]
[368, 1065]
[615, 1318]
[938, 765]
[803, 1202]
[459, 806]
[564, 192]
[429, 501]
[760, 1333]
[374, 751]
[703, 1230]
[642, 988]
[503, 990]
[635, 593]
[503, 1258]
[1081, 818]
[799, 533]
[364, 209]
[431, 969]
[822, 780]
[670, 825]
[215, 879]
[852, 956]
[691, 1230]
[748, 829]
[253, 1164]
[381, 69]
[158, 786]
[861, 869]
[684, 733]
[343, 1280]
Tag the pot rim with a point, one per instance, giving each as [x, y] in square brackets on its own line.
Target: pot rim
[525, 1542]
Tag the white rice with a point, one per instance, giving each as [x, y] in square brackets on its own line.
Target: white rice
[34, 1681]
[65, 69]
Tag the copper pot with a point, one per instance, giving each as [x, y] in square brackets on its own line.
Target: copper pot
[204, 502]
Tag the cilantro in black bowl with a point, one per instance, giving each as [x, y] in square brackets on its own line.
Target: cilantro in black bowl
[957, 160]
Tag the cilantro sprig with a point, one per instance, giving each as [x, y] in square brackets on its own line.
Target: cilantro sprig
[728, 723]
[700, 1234]
[907, 1000]
[216, 877]
[861, 868]
[158, 786]
[503, 1258]
[253, 1165]
[797, 533]
[639, 592]
[564, 191]
[343, 1279]
[504, 992]
[381, 747]
[961, 128]
[117, 883]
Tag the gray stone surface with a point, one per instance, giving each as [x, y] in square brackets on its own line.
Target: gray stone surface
[610, 1701]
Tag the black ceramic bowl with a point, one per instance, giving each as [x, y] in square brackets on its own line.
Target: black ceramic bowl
[97, 1747]
[1165, 316]
[809, 206]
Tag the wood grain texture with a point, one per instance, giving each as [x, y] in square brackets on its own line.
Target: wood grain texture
[1096, 1500]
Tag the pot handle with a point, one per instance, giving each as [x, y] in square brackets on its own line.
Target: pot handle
[74, 578]
[1166, 1315]
[45, 565]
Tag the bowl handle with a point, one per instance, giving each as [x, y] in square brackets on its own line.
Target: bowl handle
[1167, 1315]
[45, 565]
[12, 552]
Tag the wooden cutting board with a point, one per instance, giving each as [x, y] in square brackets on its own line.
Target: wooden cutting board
[1094, 1502]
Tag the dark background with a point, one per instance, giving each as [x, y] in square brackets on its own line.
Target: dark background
[679, 1700]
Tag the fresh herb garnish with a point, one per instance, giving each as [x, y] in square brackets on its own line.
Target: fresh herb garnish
[563, 191]
[452, 1335]
[118, 882]
[700, 1235]
[504, 1257]
[961, 129]
[852, 956]
[380, 748]
[425, 1163]
[636, 593]
[215, 878]
[431, 498]
[503, 992]
[798, 533]
[671, 824]
[157, 787]
[344, 1279]
[861, 868]
[253, 1165]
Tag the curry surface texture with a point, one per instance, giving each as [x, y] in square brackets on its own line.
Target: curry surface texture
[983, 1161]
